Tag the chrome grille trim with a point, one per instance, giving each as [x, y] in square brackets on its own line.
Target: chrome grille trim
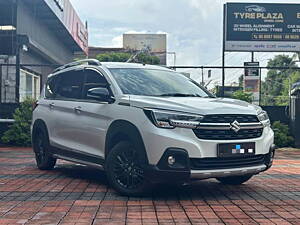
[227, 126]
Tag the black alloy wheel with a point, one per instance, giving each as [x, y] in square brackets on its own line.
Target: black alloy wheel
[41, 148]
[125, 171]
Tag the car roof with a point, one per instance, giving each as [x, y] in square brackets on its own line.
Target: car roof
[112, 65]
[122, 65]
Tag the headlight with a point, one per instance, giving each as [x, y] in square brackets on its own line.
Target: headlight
[170, 119]
[264, 118]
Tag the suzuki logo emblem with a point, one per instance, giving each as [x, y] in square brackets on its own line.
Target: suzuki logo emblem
[235, 126]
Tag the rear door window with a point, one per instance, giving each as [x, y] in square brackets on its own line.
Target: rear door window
[70, 85]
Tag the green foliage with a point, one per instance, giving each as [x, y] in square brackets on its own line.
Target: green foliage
[244, 96]
[294, 78]
[124, 56]
[113, 57]
[282, 136]
[148, 59]
[241, 81]
[19, 132]
[275, 87]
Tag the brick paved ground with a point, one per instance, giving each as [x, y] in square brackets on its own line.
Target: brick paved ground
[73, 194]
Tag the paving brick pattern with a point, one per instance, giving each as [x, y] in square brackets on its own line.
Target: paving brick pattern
[75, 194]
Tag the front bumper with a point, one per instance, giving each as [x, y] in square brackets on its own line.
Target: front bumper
[157, 140]
[204, 174]
[163, 172]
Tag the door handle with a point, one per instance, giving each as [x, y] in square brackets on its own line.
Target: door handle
[51, 105]
[77, 109]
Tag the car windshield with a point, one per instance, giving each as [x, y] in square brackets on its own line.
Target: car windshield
[151, 82]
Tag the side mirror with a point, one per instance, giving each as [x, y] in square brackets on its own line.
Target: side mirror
[99, 94]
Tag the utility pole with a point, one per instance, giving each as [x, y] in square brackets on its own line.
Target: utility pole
[223, 53]
[18, 71]
[252, 56]
[20, 41]
[202, 82]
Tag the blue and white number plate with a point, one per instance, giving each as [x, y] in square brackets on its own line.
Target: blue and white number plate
[236, 149]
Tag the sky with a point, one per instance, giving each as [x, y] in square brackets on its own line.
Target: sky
[193, 28]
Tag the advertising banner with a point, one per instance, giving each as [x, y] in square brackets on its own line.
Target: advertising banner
[262, 27]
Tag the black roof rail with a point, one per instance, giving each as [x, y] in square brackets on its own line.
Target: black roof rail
[93, 62]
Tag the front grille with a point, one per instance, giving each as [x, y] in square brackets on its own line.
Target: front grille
[226, 162]
[230, 118]
[227, 134]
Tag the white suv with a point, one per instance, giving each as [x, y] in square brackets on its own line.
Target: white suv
[146, 124]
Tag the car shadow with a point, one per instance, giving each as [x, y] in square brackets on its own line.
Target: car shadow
[77, 171]
[208, 190]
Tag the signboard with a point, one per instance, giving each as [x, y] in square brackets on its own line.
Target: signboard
[252, 80]
[64, 10]
[262, 27]
[75, 26]
[251, 70]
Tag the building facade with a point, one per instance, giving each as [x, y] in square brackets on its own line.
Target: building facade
[36, 36]
[155, 44]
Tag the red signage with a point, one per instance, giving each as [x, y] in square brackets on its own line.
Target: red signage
[75, 26]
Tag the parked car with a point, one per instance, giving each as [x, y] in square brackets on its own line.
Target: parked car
[147, 124]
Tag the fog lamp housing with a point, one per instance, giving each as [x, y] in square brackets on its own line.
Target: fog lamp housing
[174, 159]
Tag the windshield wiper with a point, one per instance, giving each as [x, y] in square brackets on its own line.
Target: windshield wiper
[179, 95]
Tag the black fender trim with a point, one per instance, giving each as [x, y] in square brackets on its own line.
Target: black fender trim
[38, 124]
[122, 130]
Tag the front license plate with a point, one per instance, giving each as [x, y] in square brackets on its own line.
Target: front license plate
[236, 149]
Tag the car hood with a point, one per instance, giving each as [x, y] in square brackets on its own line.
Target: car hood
[196, 105]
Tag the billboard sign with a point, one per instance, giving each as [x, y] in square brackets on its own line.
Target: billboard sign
[262, 27]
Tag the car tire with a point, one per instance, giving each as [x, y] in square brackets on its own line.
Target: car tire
[124, 169]
[41, 148]
[234, 180]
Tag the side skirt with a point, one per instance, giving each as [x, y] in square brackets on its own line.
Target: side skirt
[78, 157]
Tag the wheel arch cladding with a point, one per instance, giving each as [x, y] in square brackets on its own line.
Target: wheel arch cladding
[122, 130]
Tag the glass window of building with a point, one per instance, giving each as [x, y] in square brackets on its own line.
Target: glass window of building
[29, 85]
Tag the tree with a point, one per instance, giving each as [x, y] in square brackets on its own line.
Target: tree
[282, 135]
[241, 81]
[244, 96]
[19, 132]
[124, 56]
[148, 59]
[113, 57]
[274, 87]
